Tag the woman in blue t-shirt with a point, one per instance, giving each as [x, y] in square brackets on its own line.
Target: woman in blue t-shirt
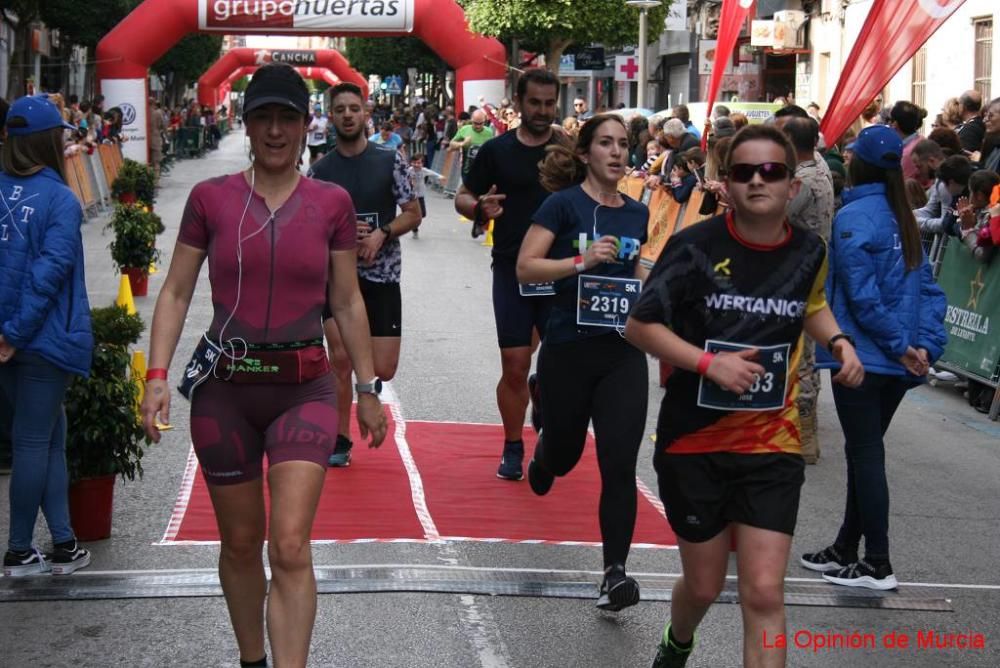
[585, 239]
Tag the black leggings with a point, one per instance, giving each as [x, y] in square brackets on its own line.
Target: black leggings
[603, 379]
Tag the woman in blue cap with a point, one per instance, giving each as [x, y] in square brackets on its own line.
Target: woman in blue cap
[45, 335]
[883, 294]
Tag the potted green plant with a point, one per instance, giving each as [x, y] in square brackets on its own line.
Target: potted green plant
[104, 437]
[134, 247]
[135, 183]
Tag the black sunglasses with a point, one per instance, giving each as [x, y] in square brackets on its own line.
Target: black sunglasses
[770, 172]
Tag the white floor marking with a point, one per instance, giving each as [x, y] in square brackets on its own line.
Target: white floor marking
[183, 498]
[412, 473]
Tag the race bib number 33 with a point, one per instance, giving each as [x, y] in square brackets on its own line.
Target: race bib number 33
[604, 301]
[768, 390]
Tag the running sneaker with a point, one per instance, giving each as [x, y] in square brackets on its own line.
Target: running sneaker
[539, 479]
[341, 452]
[828, 559]
[617, 590]
[536, 403]
[669, 654]
[863, 574]
[68, 557]
[511, 464]
[20, 564]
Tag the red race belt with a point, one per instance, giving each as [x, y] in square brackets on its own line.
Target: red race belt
[276, 366]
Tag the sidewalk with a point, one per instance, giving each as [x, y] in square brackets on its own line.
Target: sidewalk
[504, 605]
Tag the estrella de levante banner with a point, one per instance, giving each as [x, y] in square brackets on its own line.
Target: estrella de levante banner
[973, 291]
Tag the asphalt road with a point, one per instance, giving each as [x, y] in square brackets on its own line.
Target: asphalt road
[943, 459]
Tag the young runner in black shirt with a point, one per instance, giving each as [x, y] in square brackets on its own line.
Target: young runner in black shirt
[726, 304]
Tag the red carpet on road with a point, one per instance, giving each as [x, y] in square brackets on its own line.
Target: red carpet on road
[369, 499]
[456, 463]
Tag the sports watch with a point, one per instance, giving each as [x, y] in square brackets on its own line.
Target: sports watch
[386, 230]
[372, 387]
[838, 337]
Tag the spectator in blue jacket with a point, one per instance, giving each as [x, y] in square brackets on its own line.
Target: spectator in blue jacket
[45, 334]
[883, 294]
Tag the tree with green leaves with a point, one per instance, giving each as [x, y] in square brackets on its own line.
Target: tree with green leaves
[385, 56]
[554, 25]
[188, 60]
[390, 55]
[85, 23]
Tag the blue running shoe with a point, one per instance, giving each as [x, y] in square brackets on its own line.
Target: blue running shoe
[511, 464]
[341, 456]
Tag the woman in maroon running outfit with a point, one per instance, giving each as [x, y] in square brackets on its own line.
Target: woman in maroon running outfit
[265, 382]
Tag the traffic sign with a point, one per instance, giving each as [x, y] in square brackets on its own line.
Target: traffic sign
[394, 84]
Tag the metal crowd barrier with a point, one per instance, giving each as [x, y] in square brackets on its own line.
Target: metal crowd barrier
[189, 142]
[437, 165]
[90, 177]
[452, 169]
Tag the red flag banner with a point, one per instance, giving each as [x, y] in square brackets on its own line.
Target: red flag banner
[892, 33]
[734, 13]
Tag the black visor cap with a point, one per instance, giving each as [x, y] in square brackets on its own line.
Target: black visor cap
[276, 85]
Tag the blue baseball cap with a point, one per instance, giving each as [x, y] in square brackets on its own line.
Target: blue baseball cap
[39, 114]
[879, 145]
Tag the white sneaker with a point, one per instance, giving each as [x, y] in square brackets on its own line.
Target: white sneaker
[943, 376]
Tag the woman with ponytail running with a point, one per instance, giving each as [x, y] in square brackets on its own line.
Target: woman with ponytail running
[586, 239]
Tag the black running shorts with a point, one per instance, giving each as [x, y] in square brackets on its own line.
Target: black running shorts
[385, 307]
[516, 316]
[703, 493]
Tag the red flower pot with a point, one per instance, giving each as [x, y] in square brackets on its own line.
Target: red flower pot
[90, 503]
[127, 198]
[138, 279]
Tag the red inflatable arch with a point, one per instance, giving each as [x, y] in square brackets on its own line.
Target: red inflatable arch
[125, 53]
[315, 73]
[328, 59]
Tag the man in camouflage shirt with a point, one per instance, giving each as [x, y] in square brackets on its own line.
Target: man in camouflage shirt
[811, 210]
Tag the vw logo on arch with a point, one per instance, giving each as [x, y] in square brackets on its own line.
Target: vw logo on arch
[128, 113]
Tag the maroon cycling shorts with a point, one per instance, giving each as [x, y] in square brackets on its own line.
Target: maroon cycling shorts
[233, 425]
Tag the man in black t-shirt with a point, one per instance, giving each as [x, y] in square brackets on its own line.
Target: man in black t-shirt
[502, 185]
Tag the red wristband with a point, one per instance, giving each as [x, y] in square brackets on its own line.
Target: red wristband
[704, 362]
[156, 374]
[578, 264]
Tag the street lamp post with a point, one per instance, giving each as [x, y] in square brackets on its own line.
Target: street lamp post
[644, 6]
